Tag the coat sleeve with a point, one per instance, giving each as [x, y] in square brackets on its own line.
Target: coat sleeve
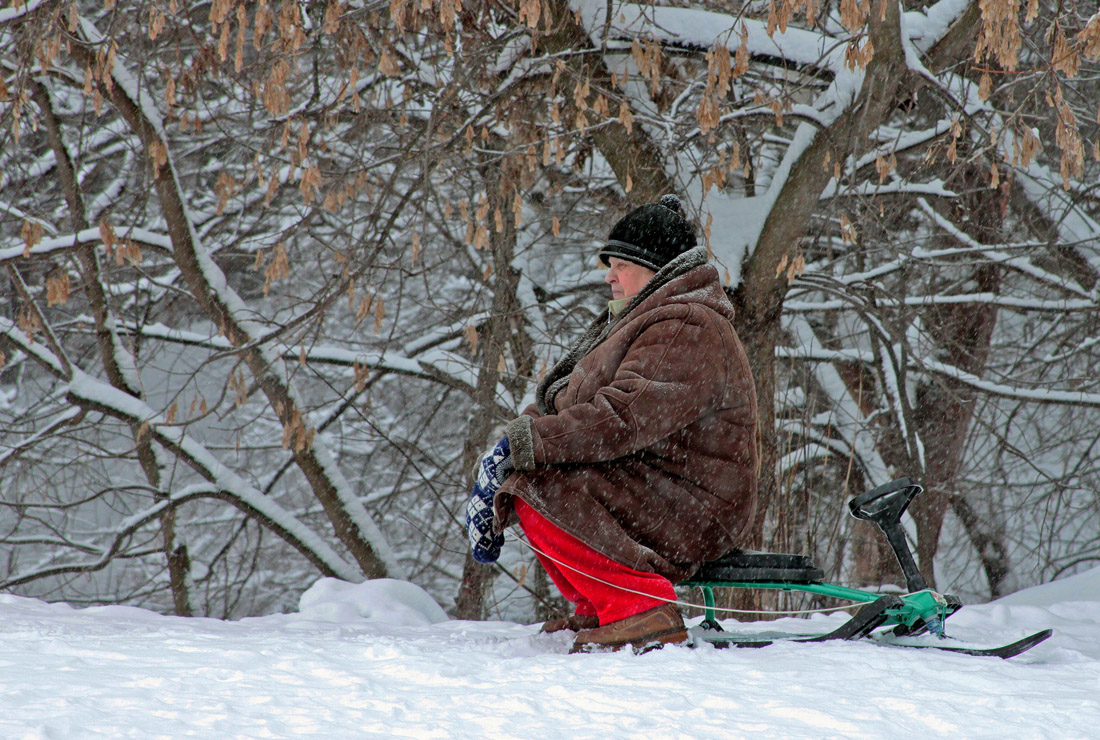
[673, 373]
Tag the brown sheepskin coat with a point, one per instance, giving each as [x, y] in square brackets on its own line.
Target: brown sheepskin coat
[642, 442]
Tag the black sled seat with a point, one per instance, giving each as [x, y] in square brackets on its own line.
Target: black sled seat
[749, 566]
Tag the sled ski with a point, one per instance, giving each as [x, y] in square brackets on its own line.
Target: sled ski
[1010, 650]
[735, 640]
[898, 616]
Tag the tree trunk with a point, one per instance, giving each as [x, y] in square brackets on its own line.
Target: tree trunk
[989, 542]
[634, 157]
[760, 294]
[345, 513]
[109, 346]
[504, 335]
[944, 408]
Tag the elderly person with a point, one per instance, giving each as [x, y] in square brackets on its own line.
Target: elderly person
[638, 461]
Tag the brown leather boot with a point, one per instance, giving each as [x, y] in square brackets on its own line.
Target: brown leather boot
[655, 627]
[575, 622]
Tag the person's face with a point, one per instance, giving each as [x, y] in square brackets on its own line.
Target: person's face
[626, 278]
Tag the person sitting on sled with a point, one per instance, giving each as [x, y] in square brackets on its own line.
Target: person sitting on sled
[638, 460]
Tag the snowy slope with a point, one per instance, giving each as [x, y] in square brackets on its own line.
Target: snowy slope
[381, 660]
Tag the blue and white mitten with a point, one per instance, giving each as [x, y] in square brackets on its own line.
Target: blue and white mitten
[484, 543]
[495, 466]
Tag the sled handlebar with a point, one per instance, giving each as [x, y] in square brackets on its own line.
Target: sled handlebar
[884, 506]
[887, 502]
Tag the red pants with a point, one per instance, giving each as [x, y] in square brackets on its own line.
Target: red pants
[591, 596]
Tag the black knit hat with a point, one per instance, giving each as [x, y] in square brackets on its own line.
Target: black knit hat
[651, 235]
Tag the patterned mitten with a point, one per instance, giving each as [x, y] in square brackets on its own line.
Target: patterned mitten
[479, 526]
[495, 467]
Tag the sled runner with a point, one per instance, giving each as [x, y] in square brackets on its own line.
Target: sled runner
[919, 612]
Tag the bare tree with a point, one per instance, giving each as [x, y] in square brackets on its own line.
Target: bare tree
[304, 259]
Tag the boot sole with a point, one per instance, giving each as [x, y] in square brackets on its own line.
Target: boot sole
[641, 645]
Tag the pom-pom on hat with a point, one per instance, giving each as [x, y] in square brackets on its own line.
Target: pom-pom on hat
[651, 235]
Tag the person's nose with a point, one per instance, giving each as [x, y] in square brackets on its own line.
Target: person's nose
[609, 277]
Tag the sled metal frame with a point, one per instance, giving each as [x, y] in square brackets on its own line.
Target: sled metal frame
[921, 610]
[916, 613]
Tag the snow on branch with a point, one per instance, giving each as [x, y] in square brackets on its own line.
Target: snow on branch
[47, 247]
[210, 287]
[847, 418]
[1037, 181]
[20, 10]
[817, 353]
[126, 528]
[66, 417]
[1073, 225]
[93, 394]
[21, 340]
[1017, 263]
[924, 301]
[820, 449]
[1043, 396]
[698, 29]
[433, 364]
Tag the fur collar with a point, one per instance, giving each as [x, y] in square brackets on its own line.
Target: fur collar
[603, 324]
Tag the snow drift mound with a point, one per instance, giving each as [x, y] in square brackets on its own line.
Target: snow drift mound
[382, 600]
[1081, 587]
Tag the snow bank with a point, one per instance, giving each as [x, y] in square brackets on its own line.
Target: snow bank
[380, 660]
[382, 600]
[1081, 587]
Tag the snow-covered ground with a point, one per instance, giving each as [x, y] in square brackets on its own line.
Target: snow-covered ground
[381, 660]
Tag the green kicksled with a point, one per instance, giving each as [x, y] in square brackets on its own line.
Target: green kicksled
[885, 618]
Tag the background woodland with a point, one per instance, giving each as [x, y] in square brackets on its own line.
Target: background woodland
[274, 274]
